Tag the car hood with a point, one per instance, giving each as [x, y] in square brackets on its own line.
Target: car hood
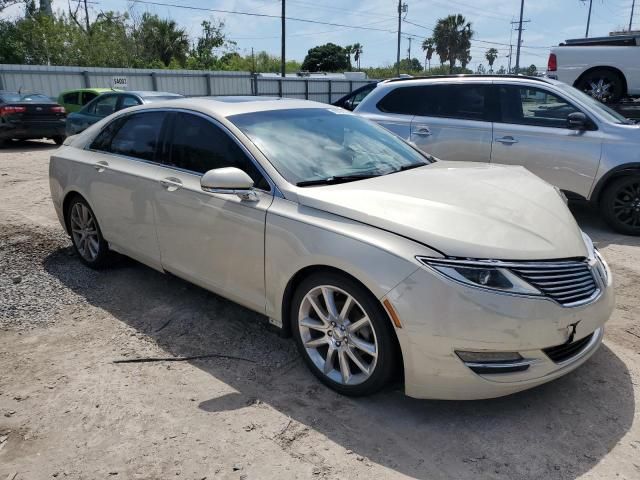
[468, 210]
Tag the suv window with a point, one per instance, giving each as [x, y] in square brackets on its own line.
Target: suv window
[71, 98]
[104, 106]
[198, 145]
[134, 135]
[533, 106]
[462, 101]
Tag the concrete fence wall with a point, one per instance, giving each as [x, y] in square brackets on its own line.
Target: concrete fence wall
[51, 80]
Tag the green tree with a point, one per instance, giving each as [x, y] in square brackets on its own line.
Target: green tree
[481, 70]
[202, 55]
[161, 40]
[326, 58]
[452, 36]
[502, 70]
[532, 70]
[491, 56]
[428, 45]
[410, 66]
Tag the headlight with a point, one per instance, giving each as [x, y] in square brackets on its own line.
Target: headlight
[489, 277]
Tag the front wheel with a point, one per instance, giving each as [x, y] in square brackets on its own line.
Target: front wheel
[59, 139]
[620, 205]
[88, 242]
[603, 85]
[343, 334]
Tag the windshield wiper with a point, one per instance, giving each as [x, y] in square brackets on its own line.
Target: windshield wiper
[409, 167]
[334, 180]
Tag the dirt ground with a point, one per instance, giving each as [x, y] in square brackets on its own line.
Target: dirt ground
[68, 411]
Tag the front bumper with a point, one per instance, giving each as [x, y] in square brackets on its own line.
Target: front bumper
[440, 317]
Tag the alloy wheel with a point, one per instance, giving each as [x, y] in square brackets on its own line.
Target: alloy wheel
[84, 232]
[338, 335]
[626, 205]
[599, 88]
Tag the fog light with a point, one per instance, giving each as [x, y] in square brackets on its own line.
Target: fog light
[488, 357]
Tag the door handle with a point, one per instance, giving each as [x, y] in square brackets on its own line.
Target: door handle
[101, 166]
[172, 184]
[421, 131]
[508, 140]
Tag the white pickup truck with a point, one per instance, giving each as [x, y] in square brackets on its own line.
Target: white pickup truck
[607, 68]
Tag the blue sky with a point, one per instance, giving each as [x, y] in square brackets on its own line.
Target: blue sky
[551, 21]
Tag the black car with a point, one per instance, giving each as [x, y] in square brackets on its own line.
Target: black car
[351, 100]
[30, 116]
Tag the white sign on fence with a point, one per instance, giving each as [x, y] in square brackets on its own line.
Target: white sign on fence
[120, 83]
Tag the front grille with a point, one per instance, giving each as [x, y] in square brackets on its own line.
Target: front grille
[567, 350]
[565, 282]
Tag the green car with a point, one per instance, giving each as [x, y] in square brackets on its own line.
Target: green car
[74, 100]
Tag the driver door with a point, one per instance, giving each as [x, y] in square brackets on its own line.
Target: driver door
[532, 131]
[211, 239]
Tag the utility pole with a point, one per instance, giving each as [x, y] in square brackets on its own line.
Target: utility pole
[586, 35]
[409, 49]
[519, 37]
[402, 7]
[633, 4]
[282, 53]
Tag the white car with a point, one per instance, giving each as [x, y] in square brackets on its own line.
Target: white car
[607, 68]
[466, 280]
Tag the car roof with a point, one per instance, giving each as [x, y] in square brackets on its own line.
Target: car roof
[463, 77]
[97, 89]
[222, 107]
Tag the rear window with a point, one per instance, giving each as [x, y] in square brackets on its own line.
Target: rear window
[463, 101]
[71, 98]
[10, 97]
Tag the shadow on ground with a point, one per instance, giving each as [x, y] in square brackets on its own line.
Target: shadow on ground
[558, 430]
[592, 223]
[14, 146]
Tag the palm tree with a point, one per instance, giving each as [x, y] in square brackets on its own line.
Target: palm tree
[348, 50]
[452, 37]
[491, 56]
[356, 49]
[163, 39]
[428, 45]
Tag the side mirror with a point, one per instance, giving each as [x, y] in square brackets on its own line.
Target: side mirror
[228, 180]
[577, 121]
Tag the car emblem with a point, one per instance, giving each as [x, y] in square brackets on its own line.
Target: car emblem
[39, 108]
[572, 331]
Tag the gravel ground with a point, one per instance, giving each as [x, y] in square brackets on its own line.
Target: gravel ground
[68, 411]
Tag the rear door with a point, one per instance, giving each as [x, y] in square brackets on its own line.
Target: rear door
[453, 121]
[122, 177]
[532, 131]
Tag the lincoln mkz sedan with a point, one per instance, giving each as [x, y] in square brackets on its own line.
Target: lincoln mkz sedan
[465, 280]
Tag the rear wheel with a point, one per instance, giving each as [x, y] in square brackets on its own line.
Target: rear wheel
[620, 204]
[59, 139]
[343, 334]
[88, 242]
[604, 85]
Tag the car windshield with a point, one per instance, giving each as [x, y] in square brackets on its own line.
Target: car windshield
[608, 113]
[315, 144]
[10, 97]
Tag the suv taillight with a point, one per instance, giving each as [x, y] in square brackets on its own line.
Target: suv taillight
[8, 110]
[552, 65]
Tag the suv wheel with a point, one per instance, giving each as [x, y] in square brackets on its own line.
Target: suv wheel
[603, 85]
[620, 204]
[88, 242]
[343, 334]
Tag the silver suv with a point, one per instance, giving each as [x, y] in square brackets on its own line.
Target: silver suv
[557, 132]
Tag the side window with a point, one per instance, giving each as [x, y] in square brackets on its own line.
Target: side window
[198, 145]
[466, 102]
[134, 135]
[401, 100]
[356, 98]
[128, 101]
[71, 98]
[533, 106]
[87, 97]
[104, 106]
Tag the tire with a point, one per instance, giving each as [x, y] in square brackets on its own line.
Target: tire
[59, 139]
[351, 371]
[86, 236]
[620, 204]
[602, 84]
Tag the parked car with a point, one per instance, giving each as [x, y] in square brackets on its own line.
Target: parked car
[30, 116]
[474, 277]
[108, 103]
[557, 132]
[607, 68]
[74, 100]
[351, 100]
